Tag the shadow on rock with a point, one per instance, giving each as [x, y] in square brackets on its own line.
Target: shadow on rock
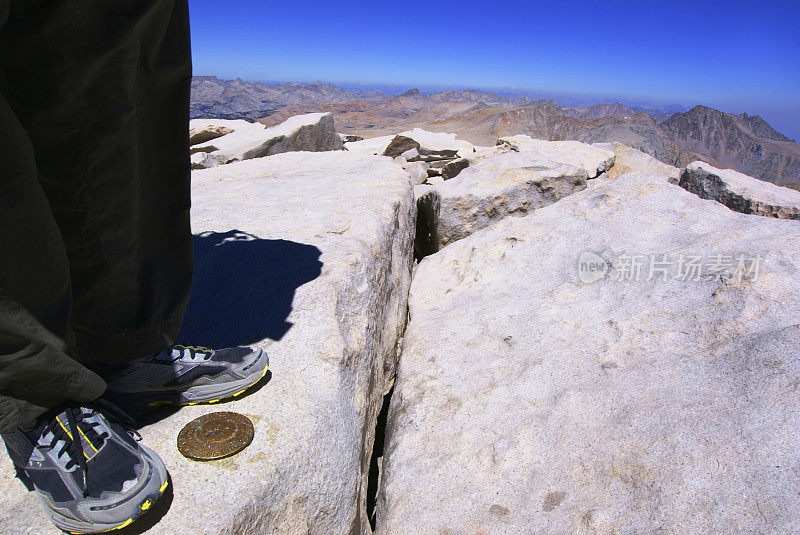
[243, 288]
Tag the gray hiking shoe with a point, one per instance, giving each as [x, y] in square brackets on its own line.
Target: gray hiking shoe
[89, 473]
[187, 375]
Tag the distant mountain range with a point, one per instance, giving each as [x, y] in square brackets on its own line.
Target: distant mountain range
[677, 137]
[237, 99]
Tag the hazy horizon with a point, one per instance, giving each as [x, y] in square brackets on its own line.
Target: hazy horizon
[734, 56]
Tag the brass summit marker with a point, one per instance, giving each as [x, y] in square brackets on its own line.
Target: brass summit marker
[215, 435]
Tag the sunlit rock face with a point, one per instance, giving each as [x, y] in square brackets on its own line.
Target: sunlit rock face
[740, 192]
[220, 141]
[308, 256]
[570, 372]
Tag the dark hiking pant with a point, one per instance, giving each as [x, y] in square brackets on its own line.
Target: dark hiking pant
[95, 243]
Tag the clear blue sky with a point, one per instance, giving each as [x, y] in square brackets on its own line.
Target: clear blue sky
[734, 55]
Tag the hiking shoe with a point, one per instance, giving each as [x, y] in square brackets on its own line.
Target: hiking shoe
[187, 375]
[90, 474]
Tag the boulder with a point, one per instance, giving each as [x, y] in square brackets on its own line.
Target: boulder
[529, 401]
[400, 145]
[418, 172]
[307, 255]
[438, 164]
[409, 154]
[512, 183]
[347, 138]
[740, 192]
[627, 159]
[202, 131]
[310, 132]
[197, 160]
[593, 159]
[451, 169]
[370, 146]
[438, 143]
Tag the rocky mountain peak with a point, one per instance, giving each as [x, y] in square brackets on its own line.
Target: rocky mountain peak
[742, 142]
[761, 128]
[410, 93]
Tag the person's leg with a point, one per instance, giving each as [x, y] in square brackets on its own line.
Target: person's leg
[36, 372]
[74, 194]
[102, 89]
[95, 123]
[112, 146]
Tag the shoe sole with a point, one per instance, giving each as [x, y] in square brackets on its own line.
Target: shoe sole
[210, 394]
[75, 527]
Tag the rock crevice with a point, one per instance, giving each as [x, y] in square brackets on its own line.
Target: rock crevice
[518, 176]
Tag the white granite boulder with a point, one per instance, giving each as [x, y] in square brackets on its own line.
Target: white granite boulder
[371, 146]
[528, 401]
[439, 141]
[498, 186]
[418, 172]
[740, 192]
[241, 140]
[307, 255]
[627, 159]
[592, 159]
[202, 131]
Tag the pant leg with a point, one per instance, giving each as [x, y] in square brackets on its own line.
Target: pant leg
[102, 90]
[35, 371]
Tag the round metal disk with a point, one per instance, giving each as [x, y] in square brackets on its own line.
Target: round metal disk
[215, 435]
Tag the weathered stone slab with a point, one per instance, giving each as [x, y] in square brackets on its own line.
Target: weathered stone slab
[202, 131]
[528, 401]
[307, 255]
[400, 145]
[418, 172]
[370, 146]
[627, 159]
[592, 159]
[451, 169]
[243, 140]
[740, 192]
[497, 186]
[440, 142]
